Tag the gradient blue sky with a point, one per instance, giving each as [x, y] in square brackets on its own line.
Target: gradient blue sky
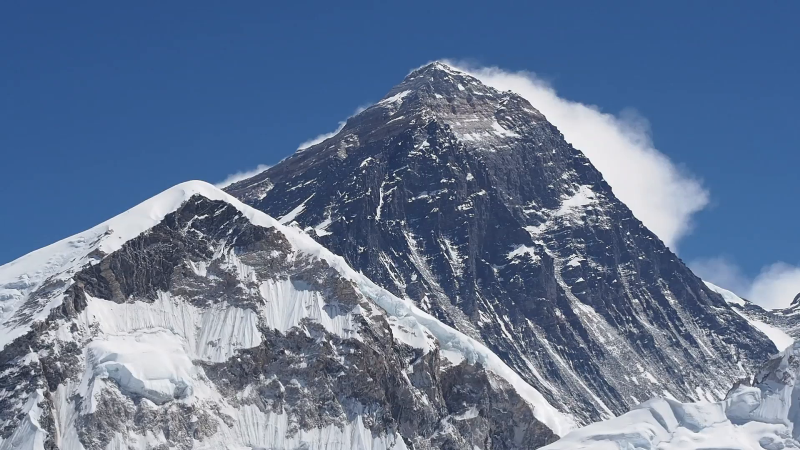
[103, 105]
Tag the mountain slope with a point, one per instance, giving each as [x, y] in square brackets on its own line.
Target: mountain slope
[466, 200]
[195, 321]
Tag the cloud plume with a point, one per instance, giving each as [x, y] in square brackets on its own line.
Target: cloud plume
[316, 140]
[239, 176]
[323, 136]
[662, 195]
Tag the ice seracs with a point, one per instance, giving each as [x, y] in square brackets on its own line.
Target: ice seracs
[761, 416]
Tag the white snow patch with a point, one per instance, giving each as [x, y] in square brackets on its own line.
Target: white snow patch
[575, 261]
[456, 260]
[523, 250]
[322, 228]
[584, 197]
[291, 215]
[152, 364]
[455, 358]
[394, 98]
[380, 201]
[469, 413]
[501, 131]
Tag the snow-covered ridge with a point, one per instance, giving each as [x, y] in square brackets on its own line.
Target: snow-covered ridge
[61, 260]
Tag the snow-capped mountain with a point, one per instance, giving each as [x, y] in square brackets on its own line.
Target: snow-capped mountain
[469, 202]
[195, 321]
[757, 415]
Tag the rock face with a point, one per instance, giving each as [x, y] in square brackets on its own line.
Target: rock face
[466, 200]
[194, 321]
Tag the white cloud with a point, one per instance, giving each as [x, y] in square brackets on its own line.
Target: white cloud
[243, 175]
[662, 195]
[722, 272]
[774, 287]
[324, 136]
[239, 176]
[321, 137]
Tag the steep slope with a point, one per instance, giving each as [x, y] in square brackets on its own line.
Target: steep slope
[761, 416]
[466, 200]
[195, 321]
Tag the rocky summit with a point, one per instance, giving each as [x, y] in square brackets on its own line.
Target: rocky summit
[468, 201]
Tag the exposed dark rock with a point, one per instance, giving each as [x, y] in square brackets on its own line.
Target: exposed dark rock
[468, 201]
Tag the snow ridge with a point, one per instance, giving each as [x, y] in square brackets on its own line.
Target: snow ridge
[126, 354]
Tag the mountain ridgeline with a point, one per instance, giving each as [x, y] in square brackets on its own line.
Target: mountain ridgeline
[194, 321]
[446, 272]
[468, 201]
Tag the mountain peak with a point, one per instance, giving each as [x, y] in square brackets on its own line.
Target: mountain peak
[437, 80]
[465, 200]
[433, 67]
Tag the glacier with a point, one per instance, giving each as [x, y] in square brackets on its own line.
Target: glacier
[756, 415]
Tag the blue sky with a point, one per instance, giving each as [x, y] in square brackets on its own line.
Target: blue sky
[104, 105]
